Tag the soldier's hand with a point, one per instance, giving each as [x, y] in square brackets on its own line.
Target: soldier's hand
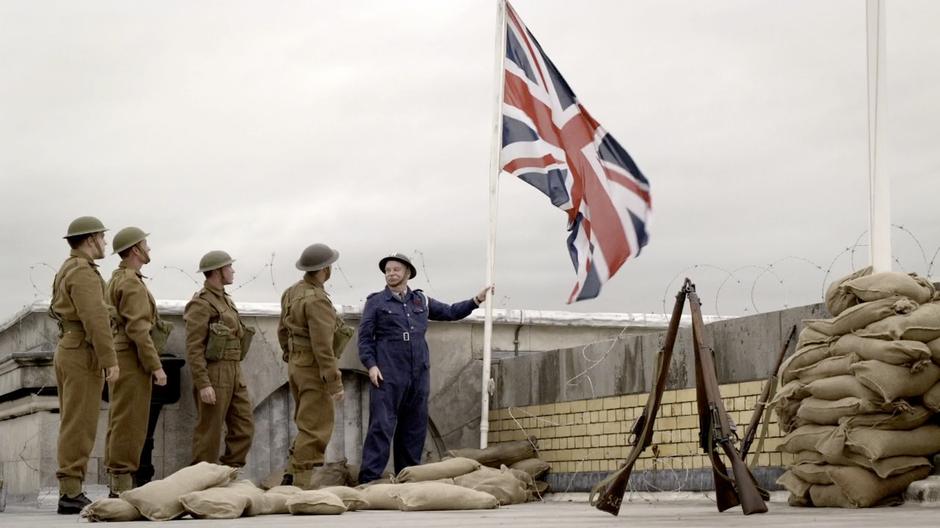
[375, 375]
[480, 298]
[207, 395]
[338, 396]
[112, 373]
[159, 377]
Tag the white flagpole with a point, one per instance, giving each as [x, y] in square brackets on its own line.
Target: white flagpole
[879, 183]
[491, 240]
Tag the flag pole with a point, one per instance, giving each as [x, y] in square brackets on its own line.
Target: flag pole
[879, 183]
[491, 239]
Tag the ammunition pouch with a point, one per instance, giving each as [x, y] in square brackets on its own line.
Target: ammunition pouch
[219, 338]
[247, 334]
[341, 336]
[160, 333]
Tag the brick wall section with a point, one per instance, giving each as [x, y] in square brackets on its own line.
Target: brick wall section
[591, 435]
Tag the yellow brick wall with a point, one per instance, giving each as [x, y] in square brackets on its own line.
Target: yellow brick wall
[591, 435]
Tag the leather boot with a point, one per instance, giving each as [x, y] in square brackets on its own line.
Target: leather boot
[118, 483]
[71, 498]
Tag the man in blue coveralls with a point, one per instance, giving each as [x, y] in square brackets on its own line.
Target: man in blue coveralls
[392, 347]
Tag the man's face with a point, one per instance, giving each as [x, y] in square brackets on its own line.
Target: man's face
[396, 273]
[228, 275]
[98, 245]
[143, 251]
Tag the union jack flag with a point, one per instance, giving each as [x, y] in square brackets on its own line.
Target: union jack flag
[551, 142]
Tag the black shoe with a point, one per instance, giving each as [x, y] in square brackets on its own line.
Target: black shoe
[112, 495]
[72, 505]
[287, 479]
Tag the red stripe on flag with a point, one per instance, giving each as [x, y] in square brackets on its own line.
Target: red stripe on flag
[540, 163]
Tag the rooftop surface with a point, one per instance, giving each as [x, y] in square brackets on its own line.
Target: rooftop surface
[569, 511]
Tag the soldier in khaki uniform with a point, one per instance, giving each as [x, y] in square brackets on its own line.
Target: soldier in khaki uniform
[139, 334]
[306, 333]
[216, 341]
[85, 350]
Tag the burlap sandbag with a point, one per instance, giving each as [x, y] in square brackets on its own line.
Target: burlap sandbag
[797, 487]
[838, 387]
[888, 284]
[501, 484]
[855, 487]
[535, 467]
[226, 502]
[827, 368]
[884, 468]
[862, 315]
[505, 453]
[802, 359]
[541, 487]
[892, 381]
[275, 499]
[315, 502]
[331, 474]
[448, 468]
[382, 496]
[838, 299]
[828, 412]
[812, 473]
[786, 404]
[934, 346]
[875, 444]
[893, 352]
[351, 497]
[110, 510]
[923, 324]
[805, 438]
[528, 483]
[437, 496]
[808, 337]
[932, 398]
[902, 418]
[160, 500]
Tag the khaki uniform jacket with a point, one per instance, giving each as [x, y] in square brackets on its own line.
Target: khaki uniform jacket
[78, 297]
[305, 330]
[208, 305]
[137, 313]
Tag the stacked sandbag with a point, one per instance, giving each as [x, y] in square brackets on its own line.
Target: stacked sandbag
[425, 495]
[521, 455]
[159, 500]
[857, 396]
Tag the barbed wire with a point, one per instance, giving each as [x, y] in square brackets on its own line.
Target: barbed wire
[181, 270]
[37, 293]
[424, 269]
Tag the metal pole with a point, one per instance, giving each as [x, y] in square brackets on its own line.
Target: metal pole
[491, 240]
[879, 182]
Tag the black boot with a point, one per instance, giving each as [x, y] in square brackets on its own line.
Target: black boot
[287, 479]
[71, 505]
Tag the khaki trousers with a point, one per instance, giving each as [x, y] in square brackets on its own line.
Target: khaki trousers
[79, 381]
[313, 415]
[232, 409]
[128, 414]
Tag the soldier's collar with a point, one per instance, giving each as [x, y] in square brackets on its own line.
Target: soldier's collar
[123, 265]
[389, 294]
[78, 254]
[312, 282]
[218, 291]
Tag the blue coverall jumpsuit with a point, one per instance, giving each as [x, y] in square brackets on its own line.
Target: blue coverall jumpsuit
[391, 337]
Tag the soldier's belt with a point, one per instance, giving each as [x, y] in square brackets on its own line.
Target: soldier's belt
[72, 326]
[403, 336]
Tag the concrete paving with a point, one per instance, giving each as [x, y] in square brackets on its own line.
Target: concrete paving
[569, 511]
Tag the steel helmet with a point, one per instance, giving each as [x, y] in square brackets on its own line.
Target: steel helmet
[400, 258]
[85, 225]
[214, 260]
[128, 237]
[317, 257]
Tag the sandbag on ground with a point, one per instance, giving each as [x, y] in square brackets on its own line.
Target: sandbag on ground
[275, 499]
[506, 453]
[855, 487]
[381, 496]
[236, 499]
[535, 467]
[449, 468]
[315, 502]
[159, 500]
[437, 496]
[884, 468]
[797, 487]
[352, 498]
[110, 510]
[501, 484]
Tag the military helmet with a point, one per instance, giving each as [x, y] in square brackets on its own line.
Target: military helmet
[400, 258]
[316, 257]
[85, 225]
[128, 237]
[214, 260]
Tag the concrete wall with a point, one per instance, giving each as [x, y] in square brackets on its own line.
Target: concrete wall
[581, 402]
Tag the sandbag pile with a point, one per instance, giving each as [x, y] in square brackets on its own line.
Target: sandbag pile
[858, 394]
[520, 456]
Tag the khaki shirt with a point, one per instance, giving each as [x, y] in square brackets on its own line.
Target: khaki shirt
[137, 313]
[305, 331]
[78, 296]
[207, 306]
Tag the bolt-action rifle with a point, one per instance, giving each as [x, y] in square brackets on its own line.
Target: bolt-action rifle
[766, 394]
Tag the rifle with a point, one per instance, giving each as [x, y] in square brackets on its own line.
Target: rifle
[607, 495]
[765, 395]
[716, 426]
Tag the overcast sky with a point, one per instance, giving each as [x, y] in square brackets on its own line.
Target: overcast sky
[262, 127]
